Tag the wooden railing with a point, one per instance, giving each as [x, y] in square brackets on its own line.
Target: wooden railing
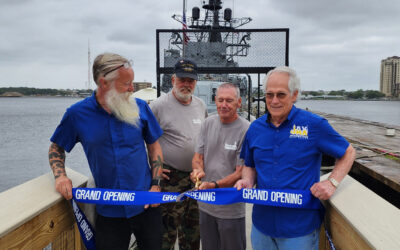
[34, 216]
[357, 218]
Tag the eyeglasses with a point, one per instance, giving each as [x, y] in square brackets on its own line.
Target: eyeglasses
[279, 95]
[126, 65]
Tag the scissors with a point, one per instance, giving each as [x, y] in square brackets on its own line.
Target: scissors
[196, 187]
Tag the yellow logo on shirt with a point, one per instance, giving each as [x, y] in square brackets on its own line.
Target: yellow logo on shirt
[299, 132]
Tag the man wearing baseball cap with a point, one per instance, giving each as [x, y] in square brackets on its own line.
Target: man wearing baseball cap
[180, 115]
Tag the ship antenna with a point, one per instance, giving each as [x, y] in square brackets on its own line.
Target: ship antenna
[89, 63]
[184, 27]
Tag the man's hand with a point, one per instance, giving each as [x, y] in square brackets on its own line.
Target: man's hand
[64, 186]
[206, 185]
[196, 174]
[243, 183]
[164, 173]
[323, 190]
[154, 188]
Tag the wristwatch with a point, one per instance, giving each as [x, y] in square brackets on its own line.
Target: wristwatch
[156, 182]
[216, 184]
[334, 182]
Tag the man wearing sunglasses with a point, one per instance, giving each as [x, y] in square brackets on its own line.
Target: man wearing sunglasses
[180, 115]
[283, 150]
[114, 130]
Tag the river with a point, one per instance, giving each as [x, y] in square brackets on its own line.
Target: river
[27, 123]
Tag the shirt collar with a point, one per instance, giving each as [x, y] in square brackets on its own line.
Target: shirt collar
[94, 101]
[292, 113]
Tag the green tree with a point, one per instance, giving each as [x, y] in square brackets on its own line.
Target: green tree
[316, 93]
[341, 92]
[356, 94]
[373, 94]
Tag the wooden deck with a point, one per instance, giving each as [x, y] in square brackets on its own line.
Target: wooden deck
[370, 140]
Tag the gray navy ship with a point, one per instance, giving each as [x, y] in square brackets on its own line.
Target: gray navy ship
[205, 44]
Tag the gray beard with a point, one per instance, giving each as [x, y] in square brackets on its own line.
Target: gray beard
[180, 95]
[123, 106]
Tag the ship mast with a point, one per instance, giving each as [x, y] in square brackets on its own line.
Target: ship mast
[184, 27]
[89, 63]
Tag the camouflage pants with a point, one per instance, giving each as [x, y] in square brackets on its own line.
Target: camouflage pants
[180, 218]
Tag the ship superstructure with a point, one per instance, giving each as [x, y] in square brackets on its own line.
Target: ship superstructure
[223, 51]
[209, 47]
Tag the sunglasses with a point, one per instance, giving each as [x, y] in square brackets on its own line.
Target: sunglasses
[279, 95]
[126, 65]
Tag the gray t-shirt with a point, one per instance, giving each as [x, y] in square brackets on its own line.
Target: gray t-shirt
[181, 125]
[221, 144]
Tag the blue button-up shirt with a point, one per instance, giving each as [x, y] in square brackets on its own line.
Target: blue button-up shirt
[115, 150]
[289, 157]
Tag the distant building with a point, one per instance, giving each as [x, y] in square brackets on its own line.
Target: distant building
[141, 85]
[390, 76]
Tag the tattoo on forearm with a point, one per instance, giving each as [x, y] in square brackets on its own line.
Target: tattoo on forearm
[157, 168]
[57, 160]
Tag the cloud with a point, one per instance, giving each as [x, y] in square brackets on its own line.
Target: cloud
[333, 45]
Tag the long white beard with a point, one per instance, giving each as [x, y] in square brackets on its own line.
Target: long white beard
[123, 106]
[182, 96]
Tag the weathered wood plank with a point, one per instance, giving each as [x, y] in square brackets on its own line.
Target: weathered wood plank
[34, 215]
[342, 232]
[357, 218]
[41, 230]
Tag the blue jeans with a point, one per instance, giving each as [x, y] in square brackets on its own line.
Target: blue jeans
[260, 241]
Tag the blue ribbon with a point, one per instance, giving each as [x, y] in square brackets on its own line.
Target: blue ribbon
[220, 196]
[85, 229]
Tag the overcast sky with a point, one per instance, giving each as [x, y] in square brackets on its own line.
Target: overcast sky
[333, 44]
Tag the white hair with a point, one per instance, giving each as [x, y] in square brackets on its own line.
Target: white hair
[294, 81]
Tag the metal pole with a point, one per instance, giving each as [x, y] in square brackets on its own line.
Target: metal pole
[258, 96]
[183, 34]
[249, 97]
[158, 63]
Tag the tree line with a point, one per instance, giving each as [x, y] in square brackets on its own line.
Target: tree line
[340, 94]
[44, 92]
[358, 94]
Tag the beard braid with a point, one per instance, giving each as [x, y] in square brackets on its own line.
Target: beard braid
[123, 106]
[180, 95]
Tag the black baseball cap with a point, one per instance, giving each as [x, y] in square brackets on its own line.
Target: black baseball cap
[186, 68]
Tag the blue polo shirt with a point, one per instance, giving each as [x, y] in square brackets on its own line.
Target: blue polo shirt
[115, 150]
[289, 157]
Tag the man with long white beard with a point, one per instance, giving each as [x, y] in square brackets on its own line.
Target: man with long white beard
[180, 115]
[114, 130]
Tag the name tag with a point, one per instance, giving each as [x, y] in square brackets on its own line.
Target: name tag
[230, 146]
[196, 121]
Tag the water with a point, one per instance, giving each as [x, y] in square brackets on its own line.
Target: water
[379, 111]
[26, 125]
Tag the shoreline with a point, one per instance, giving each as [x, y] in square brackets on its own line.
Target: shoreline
[77, 96]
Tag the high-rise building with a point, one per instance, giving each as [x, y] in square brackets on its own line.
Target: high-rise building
[141, 85]
[390, 76]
